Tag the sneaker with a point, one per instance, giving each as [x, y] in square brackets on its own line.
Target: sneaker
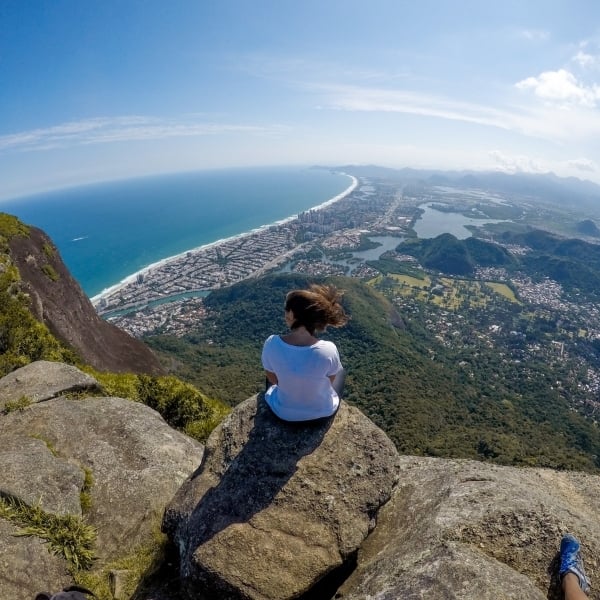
[571, 561]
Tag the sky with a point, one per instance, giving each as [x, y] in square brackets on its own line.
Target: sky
[100, 90]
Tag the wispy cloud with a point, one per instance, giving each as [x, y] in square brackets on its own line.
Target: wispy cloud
[583, 164]
[561, 87]
[535, 35]
[120, 129]
[545, 122]
[364, 99]
[586, 60]
[517, 163]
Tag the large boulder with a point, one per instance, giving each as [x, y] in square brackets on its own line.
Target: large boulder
[34, 474]
[42, 380]
[275, 506]
[136, 461]
[476, 531]
[112, 462]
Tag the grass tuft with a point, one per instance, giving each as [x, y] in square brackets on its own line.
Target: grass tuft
[141, 564]
[85, 496]
[67, 536]
[17, 405]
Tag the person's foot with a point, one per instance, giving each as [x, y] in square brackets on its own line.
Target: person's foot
[571, 561]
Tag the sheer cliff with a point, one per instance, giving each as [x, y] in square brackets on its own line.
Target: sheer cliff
[56, 300]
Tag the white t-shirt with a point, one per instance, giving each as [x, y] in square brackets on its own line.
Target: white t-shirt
[303, 391]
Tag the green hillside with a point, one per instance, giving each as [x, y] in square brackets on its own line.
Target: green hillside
[398, 374]
[23, 340]
[448, 254]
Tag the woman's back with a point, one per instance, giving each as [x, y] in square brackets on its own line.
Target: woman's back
[303, 390]
[300, 366]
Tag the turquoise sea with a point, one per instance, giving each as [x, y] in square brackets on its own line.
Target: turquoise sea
[108, 231]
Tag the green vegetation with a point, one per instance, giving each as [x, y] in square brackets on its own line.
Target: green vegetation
[180, 404]
[10, 227]
[17, 405]
[431, 396]
[50, 272]
[67, 536]
[140, 565]
[48, 250]
[575, 264]
[508, 212]
[48, 443]
[85, 496]
[23, 339]
[447, 254]
[503, 289]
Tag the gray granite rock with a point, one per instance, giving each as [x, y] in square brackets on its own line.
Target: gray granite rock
[33, 474]
[42, 380]
[476, 531]
[136, 460]
[277, 506]
[26, 566]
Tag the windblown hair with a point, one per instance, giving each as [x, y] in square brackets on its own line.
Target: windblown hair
[316, 308]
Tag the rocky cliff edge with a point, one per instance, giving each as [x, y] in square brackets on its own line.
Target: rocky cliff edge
[271, 510]
[282, 511]
[58, 301]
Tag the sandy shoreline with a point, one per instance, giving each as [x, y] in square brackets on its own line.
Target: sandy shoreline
[133, 277]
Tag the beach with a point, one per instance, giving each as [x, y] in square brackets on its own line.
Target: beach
[135, 289]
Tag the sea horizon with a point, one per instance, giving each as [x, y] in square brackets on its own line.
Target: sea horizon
[130, 278]
[110, 232]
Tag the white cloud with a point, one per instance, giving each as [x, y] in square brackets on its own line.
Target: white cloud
[561, 87]
[517, 164]
[535, 35]
[586, 60]
[583, 164]
[119, 129]
[364, 99]
[549, 121]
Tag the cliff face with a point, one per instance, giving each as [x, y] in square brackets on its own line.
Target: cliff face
[58, 301]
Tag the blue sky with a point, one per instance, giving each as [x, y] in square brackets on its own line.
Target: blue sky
[107, 89]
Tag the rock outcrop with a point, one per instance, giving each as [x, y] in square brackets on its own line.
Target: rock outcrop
[276, 507]
[60, 303]
[476, 531]
[43, 380]
[122, 454]
[275, 510]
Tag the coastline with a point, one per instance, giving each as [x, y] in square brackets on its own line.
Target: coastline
[143, 271]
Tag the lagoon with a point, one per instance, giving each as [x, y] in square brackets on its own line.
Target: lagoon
[435, 222]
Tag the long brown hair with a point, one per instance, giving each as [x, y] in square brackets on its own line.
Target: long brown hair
[316, 308]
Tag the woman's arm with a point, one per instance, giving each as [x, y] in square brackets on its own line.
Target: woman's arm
[271, 377]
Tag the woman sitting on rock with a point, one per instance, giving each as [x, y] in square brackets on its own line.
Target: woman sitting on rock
[305, 373]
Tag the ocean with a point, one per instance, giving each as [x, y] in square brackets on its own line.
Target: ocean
[106, 232]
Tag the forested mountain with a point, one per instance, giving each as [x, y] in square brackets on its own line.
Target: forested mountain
[574, 263]
[398, 374]
[457, 257]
